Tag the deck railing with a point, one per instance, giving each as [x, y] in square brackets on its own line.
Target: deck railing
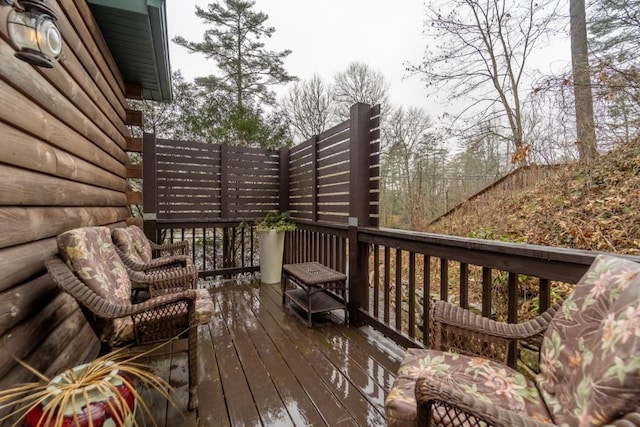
[506, 281]
[394, 274]
[202, 192]
[218, 248]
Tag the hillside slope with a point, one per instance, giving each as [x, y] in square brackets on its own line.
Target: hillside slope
[593, 206]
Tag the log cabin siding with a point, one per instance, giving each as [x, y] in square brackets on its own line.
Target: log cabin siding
[63, 164]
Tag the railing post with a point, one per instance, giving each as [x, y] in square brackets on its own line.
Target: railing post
[224, 181]
[359, 209]
[358, 287]
[359, 162]
[149, 186]
[314, 184]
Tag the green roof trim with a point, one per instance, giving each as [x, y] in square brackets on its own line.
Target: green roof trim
[136, 33]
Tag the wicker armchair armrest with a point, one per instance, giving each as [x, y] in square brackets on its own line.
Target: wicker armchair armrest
[445, 314]
[181, 247]
[465, 407]
[156, 263]
[67, 280]
[165, 280]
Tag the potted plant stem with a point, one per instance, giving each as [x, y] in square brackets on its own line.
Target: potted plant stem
[271, 231]
[100, 392]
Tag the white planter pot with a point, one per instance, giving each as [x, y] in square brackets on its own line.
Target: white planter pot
[271, 245]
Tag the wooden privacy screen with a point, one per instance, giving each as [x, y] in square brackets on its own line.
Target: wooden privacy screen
[328, 178]
[210, 181]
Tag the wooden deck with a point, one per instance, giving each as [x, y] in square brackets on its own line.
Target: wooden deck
[261, 366]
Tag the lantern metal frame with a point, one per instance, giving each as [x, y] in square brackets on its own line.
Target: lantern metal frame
[33, 31]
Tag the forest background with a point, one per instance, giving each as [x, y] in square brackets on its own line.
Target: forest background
[477, 57]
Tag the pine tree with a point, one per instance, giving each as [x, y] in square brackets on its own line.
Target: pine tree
[246, 68]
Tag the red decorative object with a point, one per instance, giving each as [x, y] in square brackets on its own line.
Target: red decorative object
[97, 412]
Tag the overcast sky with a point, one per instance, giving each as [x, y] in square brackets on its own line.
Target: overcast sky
[326, 35]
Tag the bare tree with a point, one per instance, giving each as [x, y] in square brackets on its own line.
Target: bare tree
[585, 128]
[480, 56]
[360, 83]
[409, 140]
[308, 107]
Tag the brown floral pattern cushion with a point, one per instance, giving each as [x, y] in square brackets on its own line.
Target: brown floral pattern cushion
[140, 243]
[90, 254]
[590, 357]
[204, 312]
[484, 379]
[123, 240]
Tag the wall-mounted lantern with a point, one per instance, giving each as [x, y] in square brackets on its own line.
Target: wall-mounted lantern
[31, 25]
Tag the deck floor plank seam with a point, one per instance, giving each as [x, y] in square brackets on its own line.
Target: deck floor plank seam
[343, 362]
[260, 365]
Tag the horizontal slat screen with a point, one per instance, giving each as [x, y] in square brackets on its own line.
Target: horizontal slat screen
[199, 181]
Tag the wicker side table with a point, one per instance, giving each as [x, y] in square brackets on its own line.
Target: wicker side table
[312, 282]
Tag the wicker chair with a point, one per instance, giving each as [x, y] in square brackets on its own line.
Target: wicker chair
[175, 266]
[88, 268]
[589, 362]
[142, 248]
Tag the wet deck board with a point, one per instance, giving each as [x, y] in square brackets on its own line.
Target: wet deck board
[260, 365]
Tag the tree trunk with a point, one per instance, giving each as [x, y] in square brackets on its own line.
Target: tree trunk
[585, 127]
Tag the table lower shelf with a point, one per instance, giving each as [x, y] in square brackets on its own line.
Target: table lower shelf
[320, 302]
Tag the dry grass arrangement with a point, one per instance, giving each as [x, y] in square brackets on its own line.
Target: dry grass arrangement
[103, 375]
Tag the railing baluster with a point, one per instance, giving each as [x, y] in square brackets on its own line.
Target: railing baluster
[215, 247]
[242, 247]
[464, 285]
[387, 280]
[252, 249]
[487, 288]
[444, 279]
[398, 305]
[376, 280]
[412, 294]
[426, 298]
[512, 315]
[204, 249]
[544, 298]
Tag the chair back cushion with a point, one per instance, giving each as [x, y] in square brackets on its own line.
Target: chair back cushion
[590, 356]
[124, 241]
[90, 254]
[140, 243]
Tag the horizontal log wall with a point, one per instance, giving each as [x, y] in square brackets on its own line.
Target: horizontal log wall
[63, 165]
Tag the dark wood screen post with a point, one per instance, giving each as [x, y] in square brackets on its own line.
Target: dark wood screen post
[314, 184]
[359, 200]
[284, 179]
[149, 186]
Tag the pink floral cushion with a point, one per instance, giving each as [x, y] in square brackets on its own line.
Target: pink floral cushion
[486, 380]
[590, 356]
[89, 253]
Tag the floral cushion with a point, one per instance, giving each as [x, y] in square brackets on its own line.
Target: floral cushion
[590, 356]
[140, 243]
[400, 403]
[484, 379]
[124, 241]
[204, 306]
[89, 253]
[204, 312]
